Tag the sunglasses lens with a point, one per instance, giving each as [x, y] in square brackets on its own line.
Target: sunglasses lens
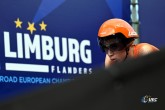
[113, 44]
[114, 47]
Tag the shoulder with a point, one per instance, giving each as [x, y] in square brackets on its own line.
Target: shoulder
[145, 48]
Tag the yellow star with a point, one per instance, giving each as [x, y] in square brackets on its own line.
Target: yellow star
[18, 23]
[43, 26]
[31, 27]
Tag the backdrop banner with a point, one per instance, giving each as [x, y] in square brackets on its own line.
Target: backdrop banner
[51, 41]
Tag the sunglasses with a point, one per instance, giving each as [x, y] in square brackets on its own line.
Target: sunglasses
[113, 47]
[112, 44]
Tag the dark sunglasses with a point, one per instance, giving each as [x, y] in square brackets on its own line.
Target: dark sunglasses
[113, 47]
[112, 44]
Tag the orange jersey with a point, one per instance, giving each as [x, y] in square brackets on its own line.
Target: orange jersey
[143, 48]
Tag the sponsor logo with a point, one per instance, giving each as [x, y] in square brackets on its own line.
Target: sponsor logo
[36, 47]
[148, 99]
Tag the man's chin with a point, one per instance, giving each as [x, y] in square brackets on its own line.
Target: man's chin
[114, 61]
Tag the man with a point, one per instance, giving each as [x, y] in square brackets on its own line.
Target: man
[116, 38]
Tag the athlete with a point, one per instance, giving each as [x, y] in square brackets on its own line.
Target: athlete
[116, 38]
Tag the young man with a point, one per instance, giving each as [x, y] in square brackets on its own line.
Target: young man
[116, 38]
